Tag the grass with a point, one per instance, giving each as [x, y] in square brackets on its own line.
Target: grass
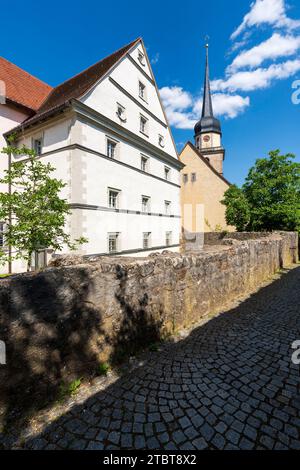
[103, 368]
[68, 390]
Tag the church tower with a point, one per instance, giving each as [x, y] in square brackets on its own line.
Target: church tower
[208, 130]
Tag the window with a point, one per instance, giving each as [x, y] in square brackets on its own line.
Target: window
[161, 140]
[113, 242]
[167, 207]
[141, 58]
[142, 91]
[144, 163]
[121, 112]
[168, 238]
[1, 234]
[37, 146]
[146, 240]
[111, 149]
[193, 177]
[145, 204]
[113, 198]
[185, 178]
[167, 173]
[144, 125]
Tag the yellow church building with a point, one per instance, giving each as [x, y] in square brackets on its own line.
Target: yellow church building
[202, 182]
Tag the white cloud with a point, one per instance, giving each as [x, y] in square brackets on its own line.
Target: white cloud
[272, 12]
[175, 97]
[229, 106]
[257, 79]
[184, 111]
[155, 59]
[274, 47]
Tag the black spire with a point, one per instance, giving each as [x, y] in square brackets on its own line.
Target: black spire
[207, 123]
[207, 109]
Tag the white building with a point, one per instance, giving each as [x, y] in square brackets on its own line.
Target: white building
[106, 133]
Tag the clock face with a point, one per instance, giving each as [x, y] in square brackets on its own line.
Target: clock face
[206, 138]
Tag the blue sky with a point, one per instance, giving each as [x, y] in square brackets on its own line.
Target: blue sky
[254, 60]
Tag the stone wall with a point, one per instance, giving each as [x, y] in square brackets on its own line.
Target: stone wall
[58, 324]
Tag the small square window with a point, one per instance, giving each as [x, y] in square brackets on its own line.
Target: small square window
[185, 178]
[37, 146]
[161, 140]
[121, 112]
[111, 148]
[167, 207]
[143, 125]
[168, 238]
[167, 173]
[113, 198]
[193, 177]
[146, 240]
[144, 163]
[113, 242]
[145, 204]
[142, 91]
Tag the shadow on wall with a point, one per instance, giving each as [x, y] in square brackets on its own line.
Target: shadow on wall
[55, 335]
[210, 353]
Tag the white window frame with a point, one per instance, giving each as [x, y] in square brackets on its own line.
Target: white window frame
[116, 199]
[144, 163]
[167, 173]
[116, 237]
[146, 208]
[109, 141]
[167, 207]
[142, 91]
[168, 238]
[40, 140]
[146, 240]
[144, 130]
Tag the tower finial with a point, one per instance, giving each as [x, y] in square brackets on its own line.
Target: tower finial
[206, 39]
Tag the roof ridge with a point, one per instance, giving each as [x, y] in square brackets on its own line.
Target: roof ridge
[95, 63]
[77, 85]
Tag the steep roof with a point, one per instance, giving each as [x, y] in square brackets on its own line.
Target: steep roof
[22, 88]
[76, 86]
[205, 161]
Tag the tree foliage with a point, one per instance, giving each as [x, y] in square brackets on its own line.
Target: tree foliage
[33, 212]
[270, 197]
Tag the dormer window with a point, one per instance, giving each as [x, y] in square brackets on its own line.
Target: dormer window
[141, 58]
[121, 112]
[142, 91]
[161, 140]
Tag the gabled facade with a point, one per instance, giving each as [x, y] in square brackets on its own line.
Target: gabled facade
[106, 133]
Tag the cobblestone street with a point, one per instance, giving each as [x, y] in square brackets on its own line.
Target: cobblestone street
[229, 385]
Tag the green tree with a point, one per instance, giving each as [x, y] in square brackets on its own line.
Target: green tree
[237, 208]
[270, 197]
[33, 211]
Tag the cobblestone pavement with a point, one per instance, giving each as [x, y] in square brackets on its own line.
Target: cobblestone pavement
[229, 385]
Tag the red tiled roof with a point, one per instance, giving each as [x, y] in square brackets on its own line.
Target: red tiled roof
[21, 87]
[76, 86]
